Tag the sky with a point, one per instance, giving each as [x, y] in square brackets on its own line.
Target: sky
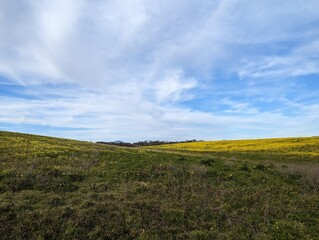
[136, 70]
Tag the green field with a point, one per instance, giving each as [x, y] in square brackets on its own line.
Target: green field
[54, 188]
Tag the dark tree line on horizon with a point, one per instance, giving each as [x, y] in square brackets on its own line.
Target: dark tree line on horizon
[145, 143]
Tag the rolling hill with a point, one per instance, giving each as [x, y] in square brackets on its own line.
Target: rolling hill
[53, 188]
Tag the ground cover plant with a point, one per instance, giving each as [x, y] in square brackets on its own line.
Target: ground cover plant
[54, 188]
[282, 149]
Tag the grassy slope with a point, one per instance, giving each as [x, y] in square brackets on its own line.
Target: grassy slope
[61, 189]
[280, 149]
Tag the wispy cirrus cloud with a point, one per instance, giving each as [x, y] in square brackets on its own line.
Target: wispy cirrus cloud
[301, 61]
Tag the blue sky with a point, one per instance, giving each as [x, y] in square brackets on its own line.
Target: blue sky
[168, 70]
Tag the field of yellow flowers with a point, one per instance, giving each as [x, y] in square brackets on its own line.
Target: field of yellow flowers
[303, 148]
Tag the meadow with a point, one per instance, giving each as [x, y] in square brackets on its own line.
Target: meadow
[280, 149]
[54, 188]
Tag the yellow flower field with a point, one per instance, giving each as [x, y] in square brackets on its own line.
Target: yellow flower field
[303, 147]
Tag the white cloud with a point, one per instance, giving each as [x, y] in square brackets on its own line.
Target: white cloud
[99, 117]
[172, 87]
[239, 107]
[112, 41]
[299, 62]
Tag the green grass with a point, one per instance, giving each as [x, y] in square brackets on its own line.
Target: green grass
[62, 189]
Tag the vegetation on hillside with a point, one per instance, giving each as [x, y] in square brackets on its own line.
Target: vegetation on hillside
[300, 149]
[144, 143]
[62, 189]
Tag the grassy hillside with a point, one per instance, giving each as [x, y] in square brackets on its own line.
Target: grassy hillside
[61, 189]
[296, 149]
